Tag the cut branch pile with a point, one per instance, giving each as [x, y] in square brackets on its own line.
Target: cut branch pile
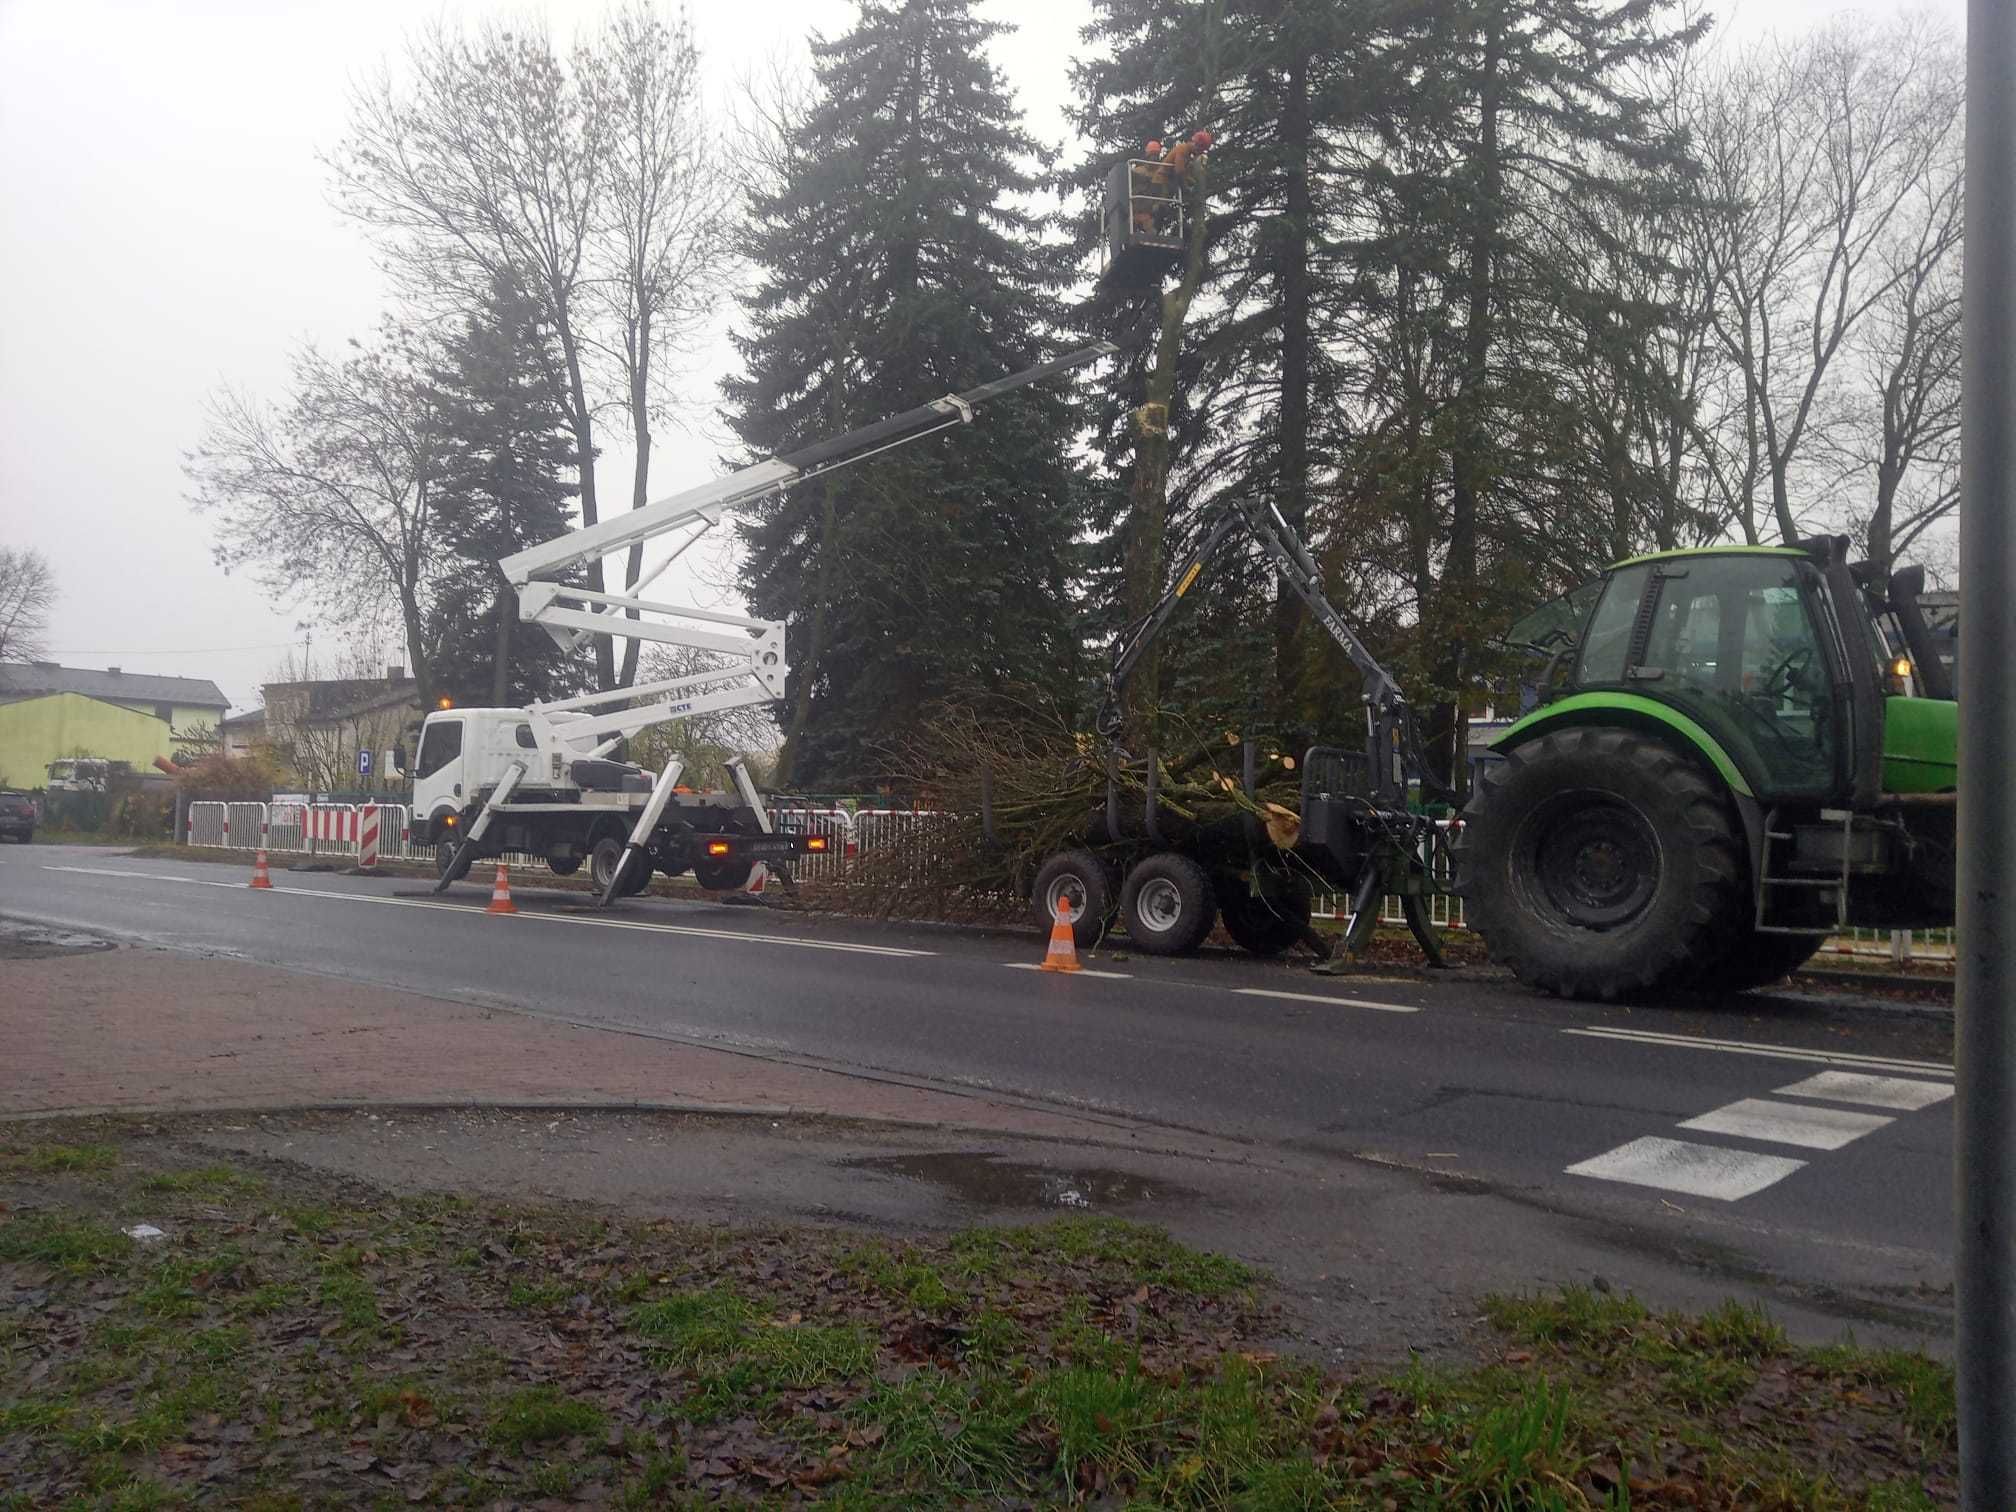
[1047, 786]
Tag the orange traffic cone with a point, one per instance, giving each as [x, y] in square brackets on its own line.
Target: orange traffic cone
[1063, 954]
[500, 892]
[259, 877]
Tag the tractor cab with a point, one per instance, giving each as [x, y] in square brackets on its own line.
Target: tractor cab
[1145, 227]
[1778, 655]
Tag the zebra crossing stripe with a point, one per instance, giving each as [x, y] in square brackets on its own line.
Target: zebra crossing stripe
[1695, 1170]
[1900, 1093]
[1803, 1124]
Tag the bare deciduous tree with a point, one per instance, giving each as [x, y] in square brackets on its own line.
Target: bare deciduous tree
[27, 596]
[1818, 152]
[328, 499]
[662, 243]
[590, 180]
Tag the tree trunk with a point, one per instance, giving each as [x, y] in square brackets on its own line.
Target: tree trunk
[640, 476]
[500, 670]
[581, 421]
[1148, 494]
[1293, 252]
[1467, 464]
[822, 585]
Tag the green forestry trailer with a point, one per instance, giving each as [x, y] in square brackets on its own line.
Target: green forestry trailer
[1729, 763]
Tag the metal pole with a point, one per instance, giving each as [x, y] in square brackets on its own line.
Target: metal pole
[1985, 1030]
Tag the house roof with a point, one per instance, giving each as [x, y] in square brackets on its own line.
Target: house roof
[28, 679]
[341, 697]
[250, 719]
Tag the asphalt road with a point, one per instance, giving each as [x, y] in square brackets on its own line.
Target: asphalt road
[1801, 1150]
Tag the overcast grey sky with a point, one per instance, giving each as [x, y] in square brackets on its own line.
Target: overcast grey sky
[164, 229]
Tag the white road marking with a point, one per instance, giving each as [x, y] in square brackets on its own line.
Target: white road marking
[1876, 1091]
[1673, 1165]
[843, 946]
[1802, 1124]
[1777, 1052]
[1334, 1002]
[107, 871]
[1114, 976]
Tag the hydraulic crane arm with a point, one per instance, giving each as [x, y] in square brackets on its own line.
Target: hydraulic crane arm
[756, 666]
[1390, 719]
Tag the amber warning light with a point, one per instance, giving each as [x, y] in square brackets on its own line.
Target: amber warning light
[815, 842]
[718, 847]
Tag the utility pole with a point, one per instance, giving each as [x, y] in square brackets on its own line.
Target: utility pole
[1985, 1028]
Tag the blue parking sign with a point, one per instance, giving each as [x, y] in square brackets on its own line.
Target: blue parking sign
[363, 763]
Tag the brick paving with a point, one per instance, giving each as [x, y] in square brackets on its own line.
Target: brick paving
[137, 1029]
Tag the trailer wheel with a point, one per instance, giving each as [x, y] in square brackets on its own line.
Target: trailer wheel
[1168, 905]
[1267, 922]
[723, 876]
[1077, 885]
[1597, 863]
[445, 865]
[1752, 960]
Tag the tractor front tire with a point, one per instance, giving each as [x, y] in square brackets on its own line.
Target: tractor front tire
[1267, 922]
[1168, 905]
[1599, 863]
[1076, 884]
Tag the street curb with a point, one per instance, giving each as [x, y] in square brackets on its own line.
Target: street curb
[1236, 1152]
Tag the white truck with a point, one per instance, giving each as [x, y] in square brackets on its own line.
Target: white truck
[547, 780]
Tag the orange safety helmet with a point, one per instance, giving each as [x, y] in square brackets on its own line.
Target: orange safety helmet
[1202, 141]
[1154, 148]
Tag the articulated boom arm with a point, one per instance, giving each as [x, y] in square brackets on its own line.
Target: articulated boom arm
[1389, 717]
[757, 665]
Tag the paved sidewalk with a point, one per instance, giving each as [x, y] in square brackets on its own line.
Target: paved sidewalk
[135, 1029]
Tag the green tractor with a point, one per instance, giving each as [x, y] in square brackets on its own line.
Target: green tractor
[1729, 763]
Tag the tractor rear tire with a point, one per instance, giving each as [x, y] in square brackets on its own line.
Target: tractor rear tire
[1268, 922]
[1079, 881]
[1753, 960]
[1599, 863]
[1168, 905]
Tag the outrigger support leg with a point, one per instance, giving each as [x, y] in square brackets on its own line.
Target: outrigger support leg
[640, 833]
[499, 795]
[1415, 907]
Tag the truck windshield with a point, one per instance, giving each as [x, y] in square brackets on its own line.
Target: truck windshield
[440, 745]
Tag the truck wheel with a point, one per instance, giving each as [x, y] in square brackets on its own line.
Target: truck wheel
[444, 862]
[603, 857]
[1168, 905]
[723, 876]
[1076, 884]
[1264, 923]
[1753, 960]
[1598, 863]
[563, 862]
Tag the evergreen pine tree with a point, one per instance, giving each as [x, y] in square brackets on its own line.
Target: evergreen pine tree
[896, 265]
[506, 459]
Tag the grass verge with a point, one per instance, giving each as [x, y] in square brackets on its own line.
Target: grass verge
[301, 1342]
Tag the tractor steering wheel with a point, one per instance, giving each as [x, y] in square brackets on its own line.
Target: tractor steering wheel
[1785, 674]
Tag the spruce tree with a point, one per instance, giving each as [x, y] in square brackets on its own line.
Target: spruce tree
[507, 457]
[1257, 407]
[896, 264]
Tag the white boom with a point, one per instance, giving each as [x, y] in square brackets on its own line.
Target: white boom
[757, 666]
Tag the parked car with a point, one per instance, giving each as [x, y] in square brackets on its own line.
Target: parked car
[17, 816]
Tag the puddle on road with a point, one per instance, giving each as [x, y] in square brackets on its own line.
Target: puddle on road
[988, 1180]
